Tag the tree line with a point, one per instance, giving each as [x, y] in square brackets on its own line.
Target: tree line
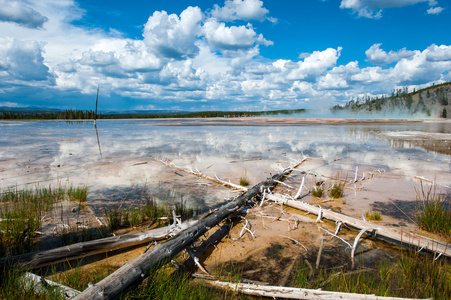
[69, 114]
[89, 115]
[401, 100]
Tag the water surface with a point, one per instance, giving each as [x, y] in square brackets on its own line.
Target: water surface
[115, 155]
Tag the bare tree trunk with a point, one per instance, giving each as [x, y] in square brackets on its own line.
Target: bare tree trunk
[405, 238]
[78, 250]
[294, 293]
[134, 272]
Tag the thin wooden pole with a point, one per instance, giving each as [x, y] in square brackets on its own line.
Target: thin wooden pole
[97, 102]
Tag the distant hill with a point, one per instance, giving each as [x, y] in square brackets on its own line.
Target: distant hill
[28, 109]
[433, 101]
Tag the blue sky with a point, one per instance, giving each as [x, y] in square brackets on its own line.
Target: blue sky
[224, 55]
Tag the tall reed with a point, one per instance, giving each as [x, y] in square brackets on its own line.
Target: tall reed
[21, 211]
[433, 211]
[150, 209]
[409, 276]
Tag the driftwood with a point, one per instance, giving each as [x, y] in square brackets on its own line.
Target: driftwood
[199, 174]
[44, 258]
[294, 293]
[135, 271]
[397, 236]
[216, 179]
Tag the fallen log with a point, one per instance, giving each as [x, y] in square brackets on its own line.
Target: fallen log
[135, 271]
[199, 174]
[295, 293]
[44, 258]
[415, 241]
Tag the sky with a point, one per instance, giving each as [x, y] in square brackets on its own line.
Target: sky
[199, 55]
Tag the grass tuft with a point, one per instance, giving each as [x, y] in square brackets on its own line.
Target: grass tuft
[244, 181]
[408, 276]
[117, 216]
[373, 215]
[79, 194]
[336, 190]
[21, 211]
[318, 191]
[433, 211]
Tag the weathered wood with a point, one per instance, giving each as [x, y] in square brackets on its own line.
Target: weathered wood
[135, 271]
[44, 258]
[356, 241]
[294, 293]
[97, 102]
[415, 241]
[227, 184]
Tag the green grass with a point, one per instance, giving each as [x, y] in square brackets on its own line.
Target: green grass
[77, 194]
[165, 283]
[373, 215]
[318, 191]
[434, 211]
[117, 216]
[21, 211]
[336, 190]
[244, 181]
[79, 278]
[409, 276]
[13, 286]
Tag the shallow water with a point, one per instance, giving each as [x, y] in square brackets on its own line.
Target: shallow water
[116, 155]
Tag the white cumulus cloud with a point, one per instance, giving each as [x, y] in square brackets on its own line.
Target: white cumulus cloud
[332, 82]
[200, 59]
[373, 8]
[21, 60]
[173, 36]
[222, 37]
[315, 64]
[421, 68]
[438, 53]
[380, 57]
[241, 10]
[21, 14]
[435, 10]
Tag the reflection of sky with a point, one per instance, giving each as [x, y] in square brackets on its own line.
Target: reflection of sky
[47, 151]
